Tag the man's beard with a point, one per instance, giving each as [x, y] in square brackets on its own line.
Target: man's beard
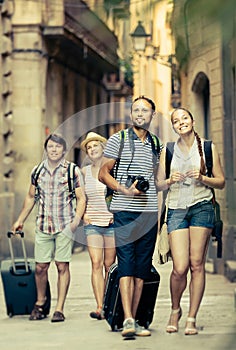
[145, 126]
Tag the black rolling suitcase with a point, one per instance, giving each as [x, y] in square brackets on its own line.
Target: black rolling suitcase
[18, 278]
[112, 305]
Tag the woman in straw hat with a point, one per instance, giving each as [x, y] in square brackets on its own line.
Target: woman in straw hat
[98, 221]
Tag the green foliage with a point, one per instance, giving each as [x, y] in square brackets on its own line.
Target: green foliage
[126, 67]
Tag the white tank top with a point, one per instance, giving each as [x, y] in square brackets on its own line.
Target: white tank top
[186, 194]
[96, 207]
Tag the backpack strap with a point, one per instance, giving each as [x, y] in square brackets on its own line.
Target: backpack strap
[37, 172]
[122, 134]
[207, 151]
[209, 163]
[71, 178]
[169, 155]
[155, 150]
[155, 144]
[208, 156]
[36, 176]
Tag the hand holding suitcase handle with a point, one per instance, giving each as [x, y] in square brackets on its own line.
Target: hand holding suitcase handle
[11, 233]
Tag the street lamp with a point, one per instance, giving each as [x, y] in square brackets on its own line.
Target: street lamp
[139, 38]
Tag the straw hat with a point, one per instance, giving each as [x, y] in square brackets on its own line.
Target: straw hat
[92, 136]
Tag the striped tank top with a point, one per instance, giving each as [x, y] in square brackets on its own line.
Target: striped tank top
[96, 207]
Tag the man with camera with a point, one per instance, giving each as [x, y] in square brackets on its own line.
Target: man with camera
[134, 204]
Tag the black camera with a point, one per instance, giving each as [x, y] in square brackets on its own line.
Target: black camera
[142, 184]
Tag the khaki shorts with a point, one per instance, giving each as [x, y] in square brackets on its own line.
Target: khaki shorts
[56, 246]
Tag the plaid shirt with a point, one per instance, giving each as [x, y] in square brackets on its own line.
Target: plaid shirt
[55, 207]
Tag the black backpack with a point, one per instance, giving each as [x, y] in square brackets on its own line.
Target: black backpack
[207, 151]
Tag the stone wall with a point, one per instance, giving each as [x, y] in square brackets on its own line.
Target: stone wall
[6, 126]
[199, 37]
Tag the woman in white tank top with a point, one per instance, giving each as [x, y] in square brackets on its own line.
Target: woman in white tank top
[98, 221]
[190, 216]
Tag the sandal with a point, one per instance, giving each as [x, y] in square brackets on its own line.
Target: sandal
[97, 314]
[58, 317]
[171, 328]
[39, 312]
[191, 330]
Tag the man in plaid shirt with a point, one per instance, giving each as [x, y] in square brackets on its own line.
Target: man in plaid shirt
[55, 224]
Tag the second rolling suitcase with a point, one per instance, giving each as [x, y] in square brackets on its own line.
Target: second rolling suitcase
[18, 278]
[112, 306]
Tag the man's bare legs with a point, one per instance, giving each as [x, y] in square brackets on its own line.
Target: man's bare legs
[131, 291]
[62, 284]
[127, 292]
[42, 305]
[41, 279]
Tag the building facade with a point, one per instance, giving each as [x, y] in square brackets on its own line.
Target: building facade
[6, 124]
[154, 66]
[58, 59]
[205, 36]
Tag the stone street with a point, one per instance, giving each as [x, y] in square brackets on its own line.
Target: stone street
[216, 318]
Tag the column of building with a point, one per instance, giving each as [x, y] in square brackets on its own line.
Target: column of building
[6, 141]
[29, 62]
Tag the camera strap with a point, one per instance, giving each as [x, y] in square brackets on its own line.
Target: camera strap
[131, 145]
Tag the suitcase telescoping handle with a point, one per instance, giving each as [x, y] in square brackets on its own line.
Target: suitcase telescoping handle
[9, 235]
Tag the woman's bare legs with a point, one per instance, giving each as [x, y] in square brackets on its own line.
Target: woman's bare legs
[95, 249]
[199, 238]
[179, 243]
[102, 254]
[188, 248]
[109, 253]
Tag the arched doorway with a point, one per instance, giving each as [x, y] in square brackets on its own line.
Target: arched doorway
[201, 88]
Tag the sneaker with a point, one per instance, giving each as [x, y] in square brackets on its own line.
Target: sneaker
[141, 331]
[128, 328]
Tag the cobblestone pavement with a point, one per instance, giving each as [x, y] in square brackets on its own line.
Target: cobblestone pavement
[216, 319]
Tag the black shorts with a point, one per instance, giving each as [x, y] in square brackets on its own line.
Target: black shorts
[135, 236]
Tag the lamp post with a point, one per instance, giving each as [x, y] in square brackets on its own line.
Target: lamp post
[139, 38]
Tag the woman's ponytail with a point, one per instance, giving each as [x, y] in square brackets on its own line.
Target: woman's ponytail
[199, 144]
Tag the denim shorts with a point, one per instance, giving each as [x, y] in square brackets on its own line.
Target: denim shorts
[200, 215]
[135, 237]
[107, 231]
